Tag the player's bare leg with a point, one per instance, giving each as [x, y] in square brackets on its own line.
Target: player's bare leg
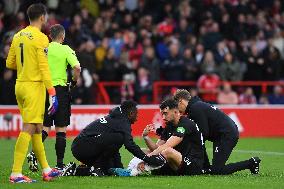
[174, 158]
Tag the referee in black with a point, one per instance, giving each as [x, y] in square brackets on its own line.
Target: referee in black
[59, 57]
[99, 143]
[218, 128]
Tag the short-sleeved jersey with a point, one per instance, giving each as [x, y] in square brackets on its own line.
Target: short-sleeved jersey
[28, 55]
[192, 143]
[59, 56]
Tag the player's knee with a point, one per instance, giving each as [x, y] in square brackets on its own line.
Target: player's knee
[47, 129]
[168, 152]
[59, 129]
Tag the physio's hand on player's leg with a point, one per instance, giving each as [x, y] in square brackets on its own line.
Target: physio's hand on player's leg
[53, 102]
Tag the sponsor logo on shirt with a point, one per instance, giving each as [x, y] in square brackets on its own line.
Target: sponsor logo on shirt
[180, 130]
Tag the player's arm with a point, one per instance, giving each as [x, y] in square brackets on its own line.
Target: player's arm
[41, 51]
[148, 141]
[74, 63]
[151, 144]
[131, 146]
[160, 142]
[170, 143]
[11, 59]
[76, 72]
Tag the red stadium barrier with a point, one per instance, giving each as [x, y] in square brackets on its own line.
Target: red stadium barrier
[253, 121]
[159, 85]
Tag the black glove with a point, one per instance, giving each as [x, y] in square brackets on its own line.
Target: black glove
[155, 160]
[73, 84]
[159, 131]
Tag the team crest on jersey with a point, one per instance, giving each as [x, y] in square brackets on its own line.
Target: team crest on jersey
[45, 51]
[180, 130]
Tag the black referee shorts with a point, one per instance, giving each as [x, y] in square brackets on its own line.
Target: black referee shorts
[62, 116]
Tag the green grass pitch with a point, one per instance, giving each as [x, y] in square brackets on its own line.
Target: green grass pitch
[271, 151]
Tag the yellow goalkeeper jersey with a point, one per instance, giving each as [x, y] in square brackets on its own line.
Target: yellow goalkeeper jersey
[28, 55]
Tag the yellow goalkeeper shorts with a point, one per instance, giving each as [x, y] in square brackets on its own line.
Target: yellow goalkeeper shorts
[31, 100]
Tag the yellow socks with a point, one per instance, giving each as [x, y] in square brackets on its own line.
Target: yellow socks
[21, 148]
[39, 151]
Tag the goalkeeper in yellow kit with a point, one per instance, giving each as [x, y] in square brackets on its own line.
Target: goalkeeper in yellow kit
[28, 55]
[59, 57]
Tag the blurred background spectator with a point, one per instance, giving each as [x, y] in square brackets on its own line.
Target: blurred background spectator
[143, 86]
[208, 85]
[229, 69]
[277, 96]
[247, 97]
[7, 91]
[205, 41]
[263, 99]
[127, 88]
[227, 95]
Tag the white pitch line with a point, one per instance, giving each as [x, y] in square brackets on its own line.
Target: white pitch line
[258, 152]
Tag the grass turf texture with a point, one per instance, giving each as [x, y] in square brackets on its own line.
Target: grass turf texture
[271, 173]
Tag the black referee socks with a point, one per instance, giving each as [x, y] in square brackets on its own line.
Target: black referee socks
[60, 145]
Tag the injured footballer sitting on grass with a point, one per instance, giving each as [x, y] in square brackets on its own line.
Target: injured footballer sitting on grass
[180, 150]
[137, 166]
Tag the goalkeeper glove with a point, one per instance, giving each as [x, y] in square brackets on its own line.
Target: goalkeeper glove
[53, 102]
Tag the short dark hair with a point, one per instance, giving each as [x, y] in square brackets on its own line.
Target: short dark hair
[128, 106]
[36, 10]
[56, 30]
[182, 94]
[170, 103]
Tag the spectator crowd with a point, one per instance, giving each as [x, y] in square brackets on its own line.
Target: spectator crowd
[139, 42]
